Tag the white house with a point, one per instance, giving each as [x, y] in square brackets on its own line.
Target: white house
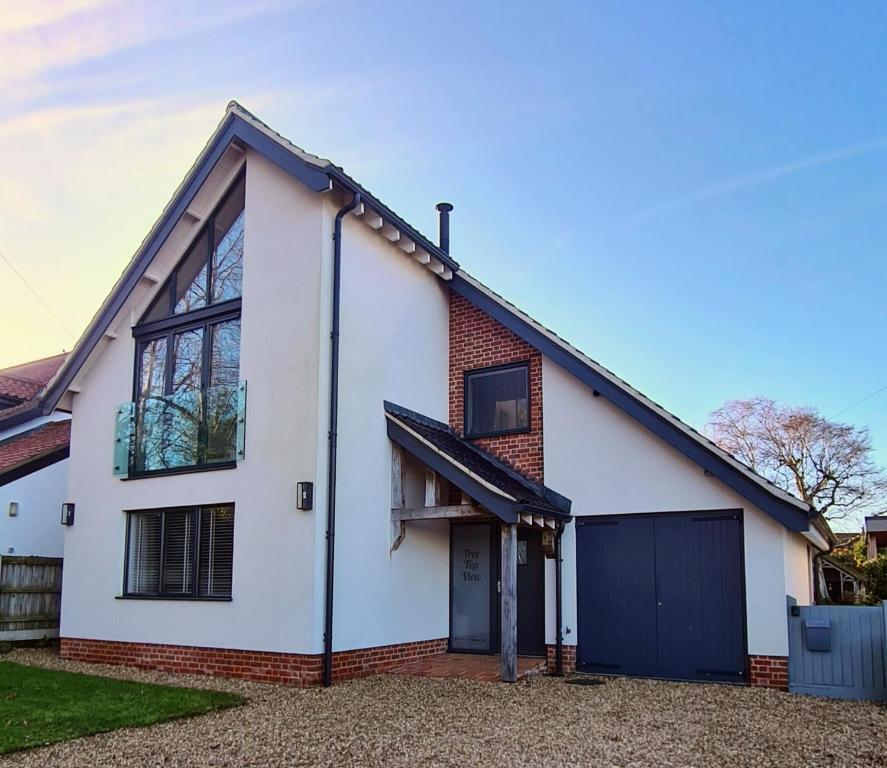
[308, 445]
[33, 462]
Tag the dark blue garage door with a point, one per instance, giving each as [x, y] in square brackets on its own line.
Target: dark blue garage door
[661, 596]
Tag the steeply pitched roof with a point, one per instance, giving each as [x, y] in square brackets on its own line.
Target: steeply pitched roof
[34, 449]
[241, 127]
[496, 486]
[789, 510]
[26, 380]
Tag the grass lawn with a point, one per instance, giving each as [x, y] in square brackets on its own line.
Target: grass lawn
[41, 706]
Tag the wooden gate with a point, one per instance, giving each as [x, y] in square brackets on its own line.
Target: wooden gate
[30, 597]
[838, 650]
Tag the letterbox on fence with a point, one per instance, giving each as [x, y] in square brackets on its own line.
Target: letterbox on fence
[818, 635]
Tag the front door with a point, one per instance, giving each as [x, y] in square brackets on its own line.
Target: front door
[530, 593]
[474, 576]
[474, 589]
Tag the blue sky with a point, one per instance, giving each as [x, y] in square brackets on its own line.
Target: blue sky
[693, 193]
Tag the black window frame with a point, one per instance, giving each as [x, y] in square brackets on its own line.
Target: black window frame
[167, 327]
[208, 229]
[466, 400]
[196, 512]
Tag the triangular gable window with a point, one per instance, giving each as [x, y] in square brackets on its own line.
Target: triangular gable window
[212, 269]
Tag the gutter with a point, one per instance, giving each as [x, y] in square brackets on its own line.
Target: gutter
[333, 437]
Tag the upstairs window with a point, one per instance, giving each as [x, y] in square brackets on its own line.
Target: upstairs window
[211, 271]
[189, 403]
[497, 400]
[188, 397]
[180, 553]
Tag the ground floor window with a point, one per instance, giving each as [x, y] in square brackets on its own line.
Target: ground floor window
[185, 552]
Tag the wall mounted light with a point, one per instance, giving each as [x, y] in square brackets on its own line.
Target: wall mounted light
[68, 513]
[304, 495]
[13, 509]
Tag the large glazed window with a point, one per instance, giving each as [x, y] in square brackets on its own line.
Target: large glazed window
[187, 406]
[211, 272]
[180, 553]
[188, 395]
[497, 400]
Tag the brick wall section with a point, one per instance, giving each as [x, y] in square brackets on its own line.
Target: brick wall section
[768, 672]
[289, 668]
[478, 341]
[568, 655]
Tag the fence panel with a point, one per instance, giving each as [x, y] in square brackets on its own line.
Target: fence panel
[30, 597]
[838, 650]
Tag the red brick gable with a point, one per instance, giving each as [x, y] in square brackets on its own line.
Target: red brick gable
[478, 341]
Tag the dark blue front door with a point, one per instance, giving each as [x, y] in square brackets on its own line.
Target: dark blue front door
[661, 596]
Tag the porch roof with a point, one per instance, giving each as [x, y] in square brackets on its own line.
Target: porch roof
[494, 485]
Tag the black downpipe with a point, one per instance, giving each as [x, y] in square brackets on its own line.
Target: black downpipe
[333, 435]
[558, 603]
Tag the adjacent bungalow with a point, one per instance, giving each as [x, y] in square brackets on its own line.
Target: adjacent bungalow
[33, 462]
[307, 445]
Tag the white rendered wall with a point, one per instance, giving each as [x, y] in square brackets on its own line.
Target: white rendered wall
[37, 529]
[394, 346]
[798, 567]
[607, 463]
[274, 553]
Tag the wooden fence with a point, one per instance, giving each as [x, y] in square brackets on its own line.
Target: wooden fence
[838, 650]
[30, 597]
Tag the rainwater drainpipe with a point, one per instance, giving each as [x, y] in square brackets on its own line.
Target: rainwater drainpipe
[558, 603]
[333, 434]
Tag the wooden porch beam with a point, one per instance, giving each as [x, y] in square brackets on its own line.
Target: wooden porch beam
[433, 488]
[398, 496]
[438, 512]
[508, 631]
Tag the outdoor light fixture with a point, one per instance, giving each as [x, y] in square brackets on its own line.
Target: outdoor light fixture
[304, 495]
[13, 509]
[68, 513]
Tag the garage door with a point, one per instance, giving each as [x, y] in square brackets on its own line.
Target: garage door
[661, 596]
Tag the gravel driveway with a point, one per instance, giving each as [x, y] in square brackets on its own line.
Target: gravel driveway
[410, 721]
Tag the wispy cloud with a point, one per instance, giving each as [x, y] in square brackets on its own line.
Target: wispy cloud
[47, 36]
[761, 177]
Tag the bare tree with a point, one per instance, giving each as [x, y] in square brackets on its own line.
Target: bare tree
[828, 465]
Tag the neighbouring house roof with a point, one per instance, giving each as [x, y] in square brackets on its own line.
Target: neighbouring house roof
[849, 570]
[494, 485]
[844, 538]
[26, 380]
[242, 128]
[34, 449]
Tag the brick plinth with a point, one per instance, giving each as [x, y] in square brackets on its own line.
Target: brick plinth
[568, 658]
[768, 671]
[478, 341]
[290, 668]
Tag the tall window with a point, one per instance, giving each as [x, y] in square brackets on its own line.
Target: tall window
[497, 400]
[188, 347]
[183, 552]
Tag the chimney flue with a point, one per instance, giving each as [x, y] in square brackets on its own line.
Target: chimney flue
[444, 226]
